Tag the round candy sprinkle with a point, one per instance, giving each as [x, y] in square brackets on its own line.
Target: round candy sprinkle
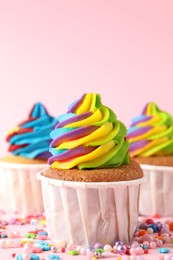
[98, 245]
[163, 250]
[121, 249]
[107, 248]
[149, 221]
[150, 230]
[153, 244]
[60, 243]
[70, 246]
[54, 249]
[134, 244]
[78, 248]
[83, 251]
[63, 250]
[90, 255]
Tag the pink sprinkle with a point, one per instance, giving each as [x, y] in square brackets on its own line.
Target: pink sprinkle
[43, 237]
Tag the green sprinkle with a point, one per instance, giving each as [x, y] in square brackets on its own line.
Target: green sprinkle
[99, 250]
[31, 235]
[73, 252]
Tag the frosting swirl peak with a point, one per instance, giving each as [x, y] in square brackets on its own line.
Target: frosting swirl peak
[88, 136]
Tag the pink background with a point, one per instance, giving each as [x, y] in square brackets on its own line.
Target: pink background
[54, 51]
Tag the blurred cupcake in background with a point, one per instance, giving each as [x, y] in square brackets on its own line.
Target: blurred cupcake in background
[28, 153]
[151, 144]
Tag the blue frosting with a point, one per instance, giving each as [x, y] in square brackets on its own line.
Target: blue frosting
[32, 137]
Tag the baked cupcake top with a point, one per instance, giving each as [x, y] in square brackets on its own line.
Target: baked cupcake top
[31, 138]
[151, 133]
[88, 136]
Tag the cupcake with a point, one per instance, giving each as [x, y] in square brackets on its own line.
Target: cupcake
[28, 150]
[91, 188]
[151, 144]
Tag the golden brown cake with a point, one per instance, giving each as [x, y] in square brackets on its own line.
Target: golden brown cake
[156, 160]
[126, 172]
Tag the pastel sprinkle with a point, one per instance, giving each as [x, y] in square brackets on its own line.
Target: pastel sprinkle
[163, 250]
[52, 256]
[32, 257]
[73, 252]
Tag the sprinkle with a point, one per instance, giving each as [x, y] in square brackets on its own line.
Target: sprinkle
[42, 237]
[63, 250]
[31, 235]
[45, 247]
[36, 250]
[3, 235]
[163, 250]
[25, 240]
[60, 243]
[51, 256]
[107, 248]
[73, 252]
[40, 233]
[32, 257]
[142, 232]
[99, 250]
[54, 249]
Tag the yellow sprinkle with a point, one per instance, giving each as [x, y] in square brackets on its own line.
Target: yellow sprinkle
[24, 241]
[43, 222]
[51, 245]
[14, 130]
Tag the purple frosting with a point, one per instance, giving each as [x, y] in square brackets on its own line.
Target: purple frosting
[73, 119]
[139, 131]
[73, 134]
[76, 104]
[138, 145]
[69, 154]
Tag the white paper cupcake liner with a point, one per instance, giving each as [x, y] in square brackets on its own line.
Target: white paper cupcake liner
[20, 191]
[157, 191]
[86, 213]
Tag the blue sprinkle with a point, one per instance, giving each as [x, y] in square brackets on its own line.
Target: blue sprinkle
[154, 227]
[19, 257]
[40, 242]
[56, 257]
[3, 235]
[44, 247]
[42, 233]
[163, 250]
[32, 257]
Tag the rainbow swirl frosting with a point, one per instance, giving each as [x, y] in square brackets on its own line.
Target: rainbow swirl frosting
[151, 133]
[88, 136]
[31, 138]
